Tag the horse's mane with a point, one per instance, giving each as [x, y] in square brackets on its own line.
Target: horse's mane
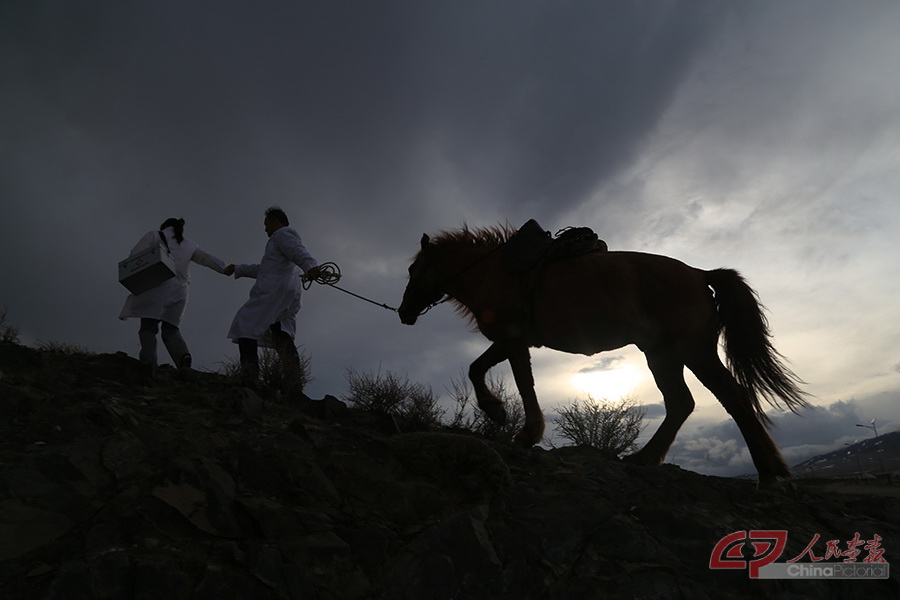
[480, 236]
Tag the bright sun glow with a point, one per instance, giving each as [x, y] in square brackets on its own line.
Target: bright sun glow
[613, 384]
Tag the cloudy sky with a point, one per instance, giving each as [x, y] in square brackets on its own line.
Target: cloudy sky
[762, 136]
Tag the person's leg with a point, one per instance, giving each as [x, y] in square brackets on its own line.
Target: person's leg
[284, 345]
[147, 336]
[249, 360]
[176, 345]
[290, 359]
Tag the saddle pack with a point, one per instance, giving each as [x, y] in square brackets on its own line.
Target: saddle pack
[531, 244]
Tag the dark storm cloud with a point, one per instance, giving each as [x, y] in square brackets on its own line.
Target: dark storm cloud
[530, 102]
[540, 101]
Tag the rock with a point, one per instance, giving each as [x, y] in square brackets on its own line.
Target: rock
[328, 408]
[451, 559]
[464, 464]
[204, 493]
[25, 528]
[245, 402]
[123, 454]
[194, 489]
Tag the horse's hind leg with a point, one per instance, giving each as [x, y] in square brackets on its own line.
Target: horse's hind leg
[533, 430]
[668, 371]
[765, 454]
[487, 401]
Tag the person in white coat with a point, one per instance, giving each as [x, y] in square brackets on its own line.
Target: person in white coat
[166, 302]
[268, 317]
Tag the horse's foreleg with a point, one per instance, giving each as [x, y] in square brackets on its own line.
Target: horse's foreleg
[533, 430]
[668, 372]
[487, 401]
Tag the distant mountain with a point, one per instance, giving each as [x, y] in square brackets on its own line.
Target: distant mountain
[866, 458]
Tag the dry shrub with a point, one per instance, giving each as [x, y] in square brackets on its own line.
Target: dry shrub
[608, 426]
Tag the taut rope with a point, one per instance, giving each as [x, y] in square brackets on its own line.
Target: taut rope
[330, 274]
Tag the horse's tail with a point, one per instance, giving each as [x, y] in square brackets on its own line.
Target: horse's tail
[755, 363]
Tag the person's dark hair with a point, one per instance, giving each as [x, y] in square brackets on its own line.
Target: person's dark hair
[177, 226]
[276, 214]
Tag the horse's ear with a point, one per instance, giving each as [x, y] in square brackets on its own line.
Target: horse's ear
[425, 240]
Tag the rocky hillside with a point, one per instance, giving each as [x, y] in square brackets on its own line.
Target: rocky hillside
[197, 489]
[877, 455]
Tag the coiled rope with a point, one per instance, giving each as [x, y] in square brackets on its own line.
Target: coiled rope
[329, 274]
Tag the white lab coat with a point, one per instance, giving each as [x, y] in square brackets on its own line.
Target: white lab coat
[167, 301]
[275, 297]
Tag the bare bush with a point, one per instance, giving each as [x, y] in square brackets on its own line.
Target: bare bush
[609, 426]
[271, 369]
[388, 393]
[62, 348]
[8, 332]
[276, 374]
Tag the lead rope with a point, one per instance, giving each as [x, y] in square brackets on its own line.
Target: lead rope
[330, 274]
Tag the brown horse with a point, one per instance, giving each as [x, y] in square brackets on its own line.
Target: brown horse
[602, 301]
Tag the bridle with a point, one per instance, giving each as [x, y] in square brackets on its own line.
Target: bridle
[447, 297]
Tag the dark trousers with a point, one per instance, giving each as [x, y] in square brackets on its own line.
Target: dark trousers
[171, 337]
[284, 346]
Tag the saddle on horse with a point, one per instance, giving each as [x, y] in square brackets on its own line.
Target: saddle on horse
[531, 244]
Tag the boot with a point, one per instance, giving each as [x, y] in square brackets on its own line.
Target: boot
[146, 373]
[249, 375]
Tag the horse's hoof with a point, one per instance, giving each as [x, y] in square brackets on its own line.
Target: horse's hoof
[641, 459]
[523, 442]
[495, 412]
[771, 484]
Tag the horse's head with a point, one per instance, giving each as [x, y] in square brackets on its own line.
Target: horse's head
[424, 287]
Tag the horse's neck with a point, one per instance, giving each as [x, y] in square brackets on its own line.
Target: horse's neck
[466, 272]
[459, 264]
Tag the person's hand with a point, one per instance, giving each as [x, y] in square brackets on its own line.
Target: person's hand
[229, 271]
[312, 273]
